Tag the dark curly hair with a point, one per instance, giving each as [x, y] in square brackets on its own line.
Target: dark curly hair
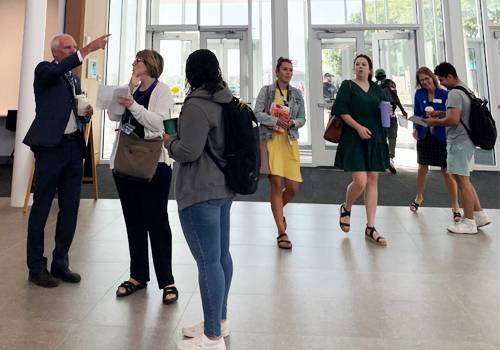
[203, 70]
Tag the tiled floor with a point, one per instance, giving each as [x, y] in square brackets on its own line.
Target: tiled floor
[426, 290]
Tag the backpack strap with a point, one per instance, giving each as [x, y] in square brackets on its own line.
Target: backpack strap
[471, 97]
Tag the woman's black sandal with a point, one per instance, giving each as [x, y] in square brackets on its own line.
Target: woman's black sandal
[414, 206]
[167, 291]
[343, 213]
[130, 288]
[457, 216]
[370, 236]
[283, 243]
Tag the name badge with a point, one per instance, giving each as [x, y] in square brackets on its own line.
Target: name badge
[437, 100]
[127, 128]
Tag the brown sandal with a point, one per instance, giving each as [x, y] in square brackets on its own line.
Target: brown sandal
[375, 238]
[343, 213]
[283, 242]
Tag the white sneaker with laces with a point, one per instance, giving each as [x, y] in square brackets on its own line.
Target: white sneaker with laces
[198, 329]
[482, 219]
[201, 343]
[466, 226]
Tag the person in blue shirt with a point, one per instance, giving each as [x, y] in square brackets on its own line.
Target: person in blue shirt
[431, 142]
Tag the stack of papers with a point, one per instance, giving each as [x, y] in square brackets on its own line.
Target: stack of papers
[107, 98]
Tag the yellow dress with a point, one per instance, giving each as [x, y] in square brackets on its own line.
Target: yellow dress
[284, 154]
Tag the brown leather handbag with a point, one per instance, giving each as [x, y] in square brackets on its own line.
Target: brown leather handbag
[333, 130]
[137, 158]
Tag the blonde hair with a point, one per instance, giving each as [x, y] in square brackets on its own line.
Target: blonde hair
[426, 71]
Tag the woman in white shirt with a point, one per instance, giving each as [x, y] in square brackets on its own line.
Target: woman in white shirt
[144, 204]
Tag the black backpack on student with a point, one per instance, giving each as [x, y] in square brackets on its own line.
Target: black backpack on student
[241, 147]
[482, 129]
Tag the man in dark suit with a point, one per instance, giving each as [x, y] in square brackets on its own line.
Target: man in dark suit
[56, 139]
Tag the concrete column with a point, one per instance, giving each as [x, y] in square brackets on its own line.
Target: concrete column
[279, 11]
[33, 48]
[454, 36]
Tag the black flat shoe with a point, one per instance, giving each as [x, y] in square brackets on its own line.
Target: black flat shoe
[43, 279]
[66, 275]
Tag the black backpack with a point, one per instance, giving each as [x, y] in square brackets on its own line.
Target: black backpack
[241, 147]
[482, 129]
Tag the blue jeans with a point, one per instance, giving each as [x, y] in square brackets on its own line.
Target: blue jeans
[206, 228]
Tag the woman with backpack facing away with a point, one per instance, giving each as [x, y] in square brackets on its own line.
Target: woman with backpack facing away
[280, 111]
[203, 197]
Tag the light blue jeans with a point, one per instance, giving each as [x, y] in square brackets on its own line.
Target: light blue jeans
[206, 228]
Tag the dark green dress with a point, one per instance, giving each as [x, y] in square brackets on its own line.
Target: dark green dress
[353, 153]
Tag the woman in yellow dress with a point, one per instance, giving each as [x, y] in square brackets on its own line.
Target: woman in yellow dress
[280, 111]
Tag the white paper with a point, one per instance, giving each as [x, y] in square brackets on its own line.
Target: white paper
[107, 98]
[403, 122]
[418, 120]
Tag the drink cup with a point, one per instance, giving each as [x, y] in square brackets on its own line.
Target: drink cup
[170, 125]
[385, 113]
[81, 104]
[427, 110]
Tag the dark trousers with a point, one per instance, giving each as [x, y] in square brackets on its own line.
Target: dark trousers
[392, 134]
[57, 169]
[144, 208]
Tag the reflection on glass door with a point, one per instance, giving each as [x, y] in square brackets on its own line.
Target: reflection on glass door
[332, 56]
[230, 48]
[175, 49]
[395, 52]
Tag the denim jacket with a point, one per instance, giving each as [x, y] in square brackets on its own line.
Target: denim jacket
[267, 121]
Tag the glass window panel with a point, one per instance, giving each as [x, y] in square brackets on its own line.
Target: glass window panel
[170, 12]
[210, 12]
[493, 10]
[476, 62]
[262, 68]
[328, 12]
[434, 48]
[401, 11]
[375, 11]
[336, 11]
[297, 50]
[354, 11]
[224, 12]
[234, 12]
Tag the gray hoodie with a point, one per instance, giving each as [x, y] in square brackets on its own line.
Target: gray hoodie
[198, 178]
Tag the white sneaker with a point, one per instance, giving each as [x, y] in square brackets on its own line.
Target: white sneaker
[481, 218]
[466, 226]
[201, 343]
[198, 329]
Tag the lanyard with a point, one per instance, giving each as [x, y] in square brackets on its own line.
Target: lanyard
[282, 95]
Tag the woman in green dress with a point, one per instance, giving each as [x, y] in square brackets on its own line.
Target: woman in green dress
[362, 149]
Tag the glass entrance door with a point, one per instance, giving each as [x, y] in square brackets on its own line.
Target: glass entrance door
[332, 55]
[230, 47]
[175, 49]
[396, 53]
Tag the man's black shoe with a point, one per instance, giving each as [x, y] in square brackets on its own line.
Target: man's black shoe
[66, 276]
[43, 279]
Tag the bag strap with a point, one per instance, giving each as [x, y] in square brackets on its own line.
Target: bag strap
[471, 97]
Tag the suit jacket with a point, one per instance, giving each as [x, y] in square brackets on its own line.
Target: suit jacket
[54, 101]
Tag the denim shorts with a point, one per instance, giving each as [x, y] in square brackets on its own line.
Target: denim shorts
[460, 158]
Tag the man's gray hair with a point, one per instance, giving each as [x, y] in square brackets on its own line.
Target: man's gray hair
[54, 44]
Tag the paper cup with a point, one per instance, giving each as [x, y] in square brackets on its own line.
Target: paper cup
[81, 104]
[170, 126]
